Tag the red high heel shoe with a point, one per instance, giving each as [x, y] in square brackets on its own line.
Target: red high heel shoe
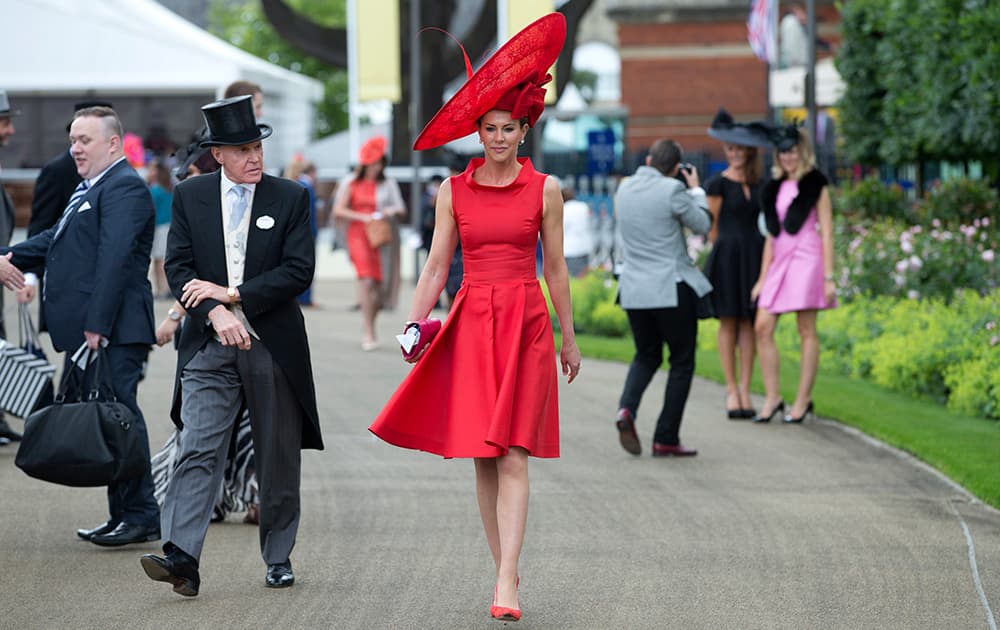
[502, 613]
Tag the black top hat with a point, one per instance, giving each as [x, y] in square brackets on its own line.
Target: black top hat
[231, 122]
[5, 109]
[724, 128]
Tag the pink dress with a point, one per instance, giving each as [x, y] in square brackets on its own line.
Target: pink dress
[488, 380]
[794, 281]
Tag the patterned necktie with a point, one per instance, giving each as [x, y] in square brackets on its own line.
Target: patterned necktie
[238, 207]
[74, 200]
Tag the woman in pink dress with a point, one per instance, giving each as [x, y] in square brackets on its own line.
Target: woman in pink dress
[796, 272]
[486, 388]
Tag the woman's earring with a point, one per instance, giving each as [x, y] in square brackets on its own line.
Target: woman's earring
[522, 141]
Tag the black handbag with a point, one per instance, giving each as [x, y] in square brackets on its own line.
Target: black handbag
[86, 438]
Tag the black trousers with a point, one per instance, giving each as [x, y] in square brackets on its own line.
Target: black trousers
[651, 328]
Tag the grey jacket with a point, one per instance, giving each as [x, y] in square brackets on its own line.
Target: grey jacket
[651, 212]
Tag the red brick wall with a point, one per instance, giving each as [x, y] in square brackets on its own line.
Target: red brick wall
[675, 76]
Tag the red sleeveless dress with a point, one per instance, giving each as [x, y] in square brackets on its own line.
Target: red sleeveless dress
[489, 379]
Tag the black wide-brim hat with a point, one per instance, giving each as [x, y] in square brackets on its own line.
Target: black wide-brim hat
[727, 130]
[231, 122]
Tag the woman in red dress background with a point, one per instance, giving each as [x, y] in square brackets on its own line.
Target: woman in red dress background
[363, 196]
[486, 386]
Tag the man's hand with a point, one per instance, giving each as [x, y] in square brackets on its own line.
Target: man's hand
[93, 339]
[10, 275]
[166, 330]
[26, 294]
[230, 329]
[196, 291]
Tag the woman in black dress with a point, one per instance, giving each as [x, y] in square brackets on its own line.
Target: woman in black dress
[734, 262]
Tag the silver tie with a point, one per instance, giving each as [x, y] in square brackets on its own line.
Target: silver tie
[238, 207]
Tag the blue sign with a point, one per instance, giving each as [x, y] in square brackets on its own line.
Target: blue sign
[600, 152]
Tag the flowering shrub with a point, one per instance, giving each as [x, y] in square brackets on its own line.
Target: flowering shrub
[958, 201]
[894, 259]
[870, 199]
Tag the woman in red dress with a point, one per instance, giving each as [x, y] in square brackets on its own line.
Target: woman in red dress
[366, 195]
[498, 329]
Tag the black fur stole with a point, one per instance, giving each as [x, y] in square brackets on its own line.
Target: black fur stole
[810, 186]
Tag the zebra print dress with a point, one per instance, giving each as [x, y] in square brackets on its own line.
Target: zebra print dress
[239, 484]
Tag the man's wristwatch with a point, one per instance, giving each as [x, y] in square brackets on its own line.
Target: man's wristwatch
[174, 315]
[231, 292]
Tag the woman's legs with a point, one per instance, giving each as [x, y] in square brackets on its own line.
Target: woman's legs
[486, 496]
[768, 352]
[748, 349]
[810, 361]
[502, 492]
[368, 292]
[728, 330]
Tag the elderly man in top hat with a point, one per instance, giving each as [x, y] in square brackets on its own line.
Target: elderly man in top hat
[96, 259]
[239, 253]
[7, 434]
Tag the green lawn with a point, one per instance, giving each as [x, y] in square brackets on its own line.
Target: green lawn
[965, 449]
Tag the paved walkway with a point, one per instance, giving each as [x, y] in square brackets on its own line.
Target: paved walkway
[769, 527]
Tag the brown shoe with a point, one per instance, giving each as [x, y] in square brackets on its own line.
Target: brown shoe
[673, 450]
[625, 423]
[253, 514]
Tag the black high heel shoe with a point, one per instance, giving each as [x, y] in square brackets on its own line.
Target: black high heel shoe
[779, 411]
[808, 413]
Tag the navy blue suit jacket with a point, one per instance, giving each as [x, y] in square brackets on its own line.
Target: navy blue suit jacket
[96, 268]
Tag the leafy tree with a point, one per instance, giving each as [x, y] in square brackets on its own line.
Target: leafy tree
[243, 24]
[922, 81]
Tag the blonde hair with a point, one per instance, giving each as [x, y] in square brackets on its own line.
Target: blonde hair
[807, 159]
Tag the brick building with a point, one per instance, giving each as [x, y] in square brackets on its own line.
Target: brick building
[683, 59]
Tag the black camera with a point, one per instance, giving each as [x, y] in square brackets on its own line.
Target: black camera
[685, 167]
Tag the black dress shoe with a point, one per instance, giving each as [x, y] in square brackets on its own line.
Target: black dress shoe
[104, 528]
[126, 534]
[625, 423]
[7, 432]
[176, 568]
[279, 575]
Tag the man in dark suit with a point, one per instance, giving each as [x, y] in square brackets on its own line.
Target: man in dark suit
[53, 187]
[240, 250]
[7, 433]
[96, 259]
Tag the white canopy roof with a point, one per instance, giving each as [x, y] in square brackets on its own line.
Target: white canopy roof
[140, 47]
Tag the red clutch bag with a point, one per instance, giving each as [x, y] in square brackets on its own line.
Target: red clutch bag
[417, 336]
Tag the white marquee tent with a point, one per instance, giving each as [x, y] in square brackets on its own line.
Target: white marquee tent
[130, 47]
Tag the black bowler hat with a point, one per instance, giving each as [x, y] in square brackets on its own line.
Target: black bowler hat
[231, 122]
[5, 109]
[84, 105]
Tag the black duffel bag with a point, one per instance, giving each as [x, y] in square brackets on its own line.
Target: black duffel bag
[86, 437]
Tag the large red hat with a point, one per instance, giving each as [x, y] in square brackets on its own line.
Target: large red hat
[512, 78]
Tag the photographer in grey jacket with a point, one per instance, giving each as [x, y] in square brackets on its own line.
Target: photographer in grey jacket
[659, 287]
